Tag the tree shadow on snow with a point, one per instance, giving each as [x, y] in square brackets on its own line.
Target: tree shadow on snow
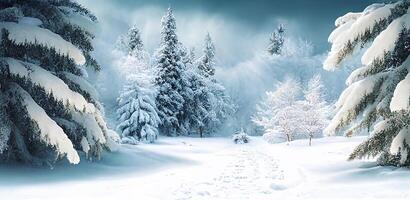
[368, 171]
[128, 160]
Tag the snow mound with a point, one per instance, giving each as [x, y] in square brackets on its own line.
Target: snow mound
[272, 136]
[241, 138]
[22, 33]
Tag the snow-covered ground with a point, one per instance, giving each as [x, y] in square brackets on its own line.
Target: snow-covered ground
[214, 168]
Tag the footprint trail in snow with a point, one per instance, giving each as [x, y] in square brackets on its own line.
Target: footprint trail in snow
[248, 171]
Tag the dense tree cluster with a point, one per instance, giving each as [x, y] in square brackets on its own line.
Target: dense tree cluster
[175, 94]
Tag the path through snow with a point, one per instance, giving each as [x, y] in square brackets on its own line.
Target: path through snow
[245, 171]
[213, 169]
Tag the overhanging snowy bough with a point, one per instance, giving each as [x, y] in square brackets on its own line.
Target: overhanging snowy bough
[48, 110]
[377, 96]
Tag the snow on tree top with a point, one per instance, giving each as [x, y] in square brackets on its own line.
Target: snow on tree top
[50, 132]
[351, 16]
[22, 33]
[50, 83]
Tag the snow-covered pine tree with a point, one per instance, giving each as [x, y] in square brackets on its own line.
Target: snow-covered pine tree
[49, 111]
[138, 118]
[131, 42]
[210, 105]
[206, 63]
[137, 112]
[378, 92]
[192, 55]
[278, 114]
[220, 104]
[276, 40]
[170, 73]
[315, 110]
[194, 95]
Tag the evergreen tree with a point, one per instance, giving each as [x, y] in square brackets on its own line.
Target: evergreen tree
[192, 56]
[276, 41]
[206, 63]
[131, 43]
[209, 106]
[377, 96]
[170, 74]
[137, 112]
[47, 111]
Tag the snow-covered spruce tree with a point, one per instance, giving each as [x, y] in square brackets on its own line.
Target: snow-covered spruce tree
[138, 118]
[276, 40]
[192, 83]
[137, 112]
[131, 43]
[48, 111]
[278, 114]
[170, 73]
[315, 110]
[209, 106]
[206, 63]
[221, 106]
[378, 92]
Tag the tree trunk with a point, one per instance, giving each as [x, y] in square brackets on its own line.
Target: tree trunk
[310, 140]
[200, 132]
[288, 137]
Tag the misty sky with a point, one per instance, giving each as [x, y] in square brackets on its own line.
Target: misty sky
[239, 28]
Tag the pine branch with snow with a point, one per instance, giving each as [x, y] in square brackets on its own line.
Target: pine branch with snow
[377, 91]
[52, 111]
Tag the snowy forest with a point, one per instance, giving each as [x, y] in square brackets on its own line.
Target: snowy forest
[204, 99]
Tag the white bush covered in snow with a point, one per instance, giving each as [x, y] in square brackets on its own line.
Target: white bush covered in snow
[284, 117]
[240, 137]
